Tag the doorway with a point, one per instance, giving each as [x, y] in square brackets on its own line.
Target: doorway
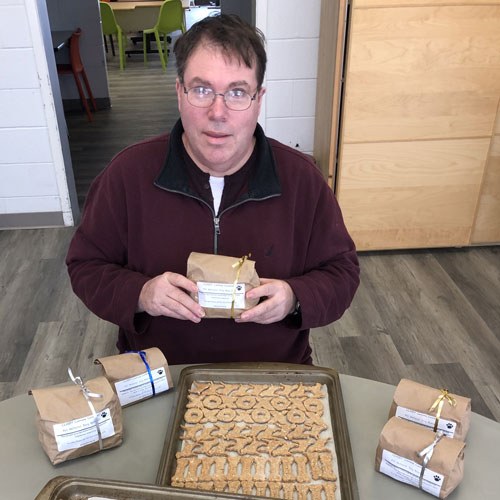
[135, 104]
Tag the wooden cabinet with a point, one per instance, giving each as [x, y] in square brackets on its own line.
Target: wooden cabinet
[416, 159]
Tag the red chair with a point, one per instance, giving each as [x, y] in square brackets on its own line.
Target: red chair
[75, 67]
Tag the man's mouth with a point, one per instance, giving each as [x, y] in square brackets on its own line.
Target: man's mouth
[216, 135]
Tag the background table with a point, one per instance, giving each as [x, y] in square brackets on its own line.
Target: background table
[136, 16]
[25, 468]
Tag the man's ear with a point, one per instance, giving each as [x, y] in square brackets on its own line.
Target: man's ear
[260, 95]
[179, 88]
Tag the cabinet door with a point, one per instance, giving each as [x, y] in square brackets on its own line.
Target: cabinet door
[421, 94]
[487, 224]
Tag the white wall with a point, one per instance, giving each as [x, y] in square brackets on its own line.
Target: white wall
[291, 28]
[33, 178]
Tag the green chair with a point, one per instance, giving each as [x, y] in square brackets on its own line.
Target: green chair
[110, 27]
[170, 19]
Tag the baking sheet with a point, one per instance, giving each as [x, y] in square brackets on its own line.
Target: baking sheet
[264, 373]
[75, 488]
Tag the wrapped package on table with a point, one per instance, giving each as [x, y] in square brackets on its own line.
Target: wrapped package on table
[137, 375]
[79, 419]
[422, 458]
[436, 409]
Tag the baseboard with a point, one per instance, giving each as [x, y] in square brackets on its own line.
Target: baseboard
[31, 220]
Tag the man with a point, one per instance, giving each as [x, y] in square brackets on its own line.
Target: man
[215, 184]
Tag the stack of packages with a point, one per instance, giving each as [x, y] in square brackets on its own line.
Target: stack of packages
[423, 442]
[86, 417]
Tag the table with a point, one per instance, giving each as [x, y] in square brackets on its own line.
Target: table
[60, 39]
[136, 16]
[26, 469]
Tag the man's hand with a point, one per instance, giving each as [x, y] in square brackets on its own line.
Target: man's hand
[168, 295]
[280, 301]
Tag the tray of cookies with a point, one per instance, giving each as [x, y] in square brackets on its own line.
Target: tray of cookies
[270, 430]
[80, 488]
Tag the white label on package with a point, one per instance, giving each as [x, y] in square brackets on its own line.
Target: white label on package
[447, 426]
[139, 387]
[83, 431]
[408, 472]
[220, 295]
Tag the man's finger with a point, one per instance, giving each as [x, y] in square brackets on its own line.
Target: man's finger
[182, 304]
[177, 310]
[180, 281]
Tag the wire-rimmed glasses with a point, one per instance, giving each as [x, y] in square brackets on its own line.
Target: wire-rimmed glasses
[234, 99]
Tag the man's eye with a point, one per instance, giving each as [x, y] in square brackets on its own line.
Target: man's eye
[237, 94]
[203, 91]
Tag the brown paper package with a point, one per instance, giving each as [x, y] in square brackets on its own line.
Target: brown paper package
[418, 397]
[219, 269]
[406, 439]
[60, 404]
[124, 366]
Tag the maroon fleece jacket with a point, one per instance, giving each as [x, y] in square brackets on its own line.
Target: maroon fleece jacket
[145, 213]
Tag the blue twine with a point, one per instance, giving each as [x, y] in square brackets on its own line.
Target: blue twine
[142, 354]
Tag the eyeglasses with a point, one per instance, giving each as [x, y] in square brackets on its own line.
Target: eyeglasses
[234, 99]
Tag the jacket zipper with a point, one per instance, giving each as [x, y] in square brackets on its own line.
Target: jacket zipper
[216, 218]
[216, 233]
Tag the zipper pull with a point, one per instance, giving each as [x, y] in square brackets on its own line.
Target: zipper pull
[216, 235]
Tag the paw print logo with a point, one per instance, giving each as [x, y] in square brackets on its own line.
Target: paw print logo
[104, 414]
[160, 372]
[437, 478]
[239, 288]
[449, 425]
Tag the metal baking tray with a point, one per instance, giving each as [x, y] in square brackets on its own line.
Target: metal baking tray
[76, 488]
[266, 373]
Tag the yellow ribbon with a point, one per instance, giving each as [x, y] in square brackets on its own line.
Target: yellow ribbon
[439, 403]
[237, 265]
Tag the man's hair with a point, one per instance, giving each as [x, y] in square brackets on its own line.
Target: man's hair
[231, 35]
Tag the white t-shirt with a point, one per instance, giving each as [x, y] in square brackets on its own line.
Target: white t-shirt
[217, 186]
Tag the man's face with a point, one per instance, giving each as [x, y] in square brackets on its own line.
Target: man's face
[218, 139]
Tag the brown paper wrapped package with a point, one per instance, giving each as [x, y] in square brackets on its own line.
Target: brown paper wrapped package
[406, 439]
[60, 404]
[210, 268]
[130, 364]
[420, 398]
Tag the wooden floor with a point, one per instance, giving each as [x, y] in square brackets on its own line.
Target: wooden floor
[144, 104]
[429, 315]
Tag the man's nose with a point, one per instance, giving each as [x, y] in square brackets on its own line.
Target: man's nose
[218, 106]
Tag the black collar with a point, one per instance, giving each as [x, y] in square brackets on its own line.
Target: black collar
[263, 181]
